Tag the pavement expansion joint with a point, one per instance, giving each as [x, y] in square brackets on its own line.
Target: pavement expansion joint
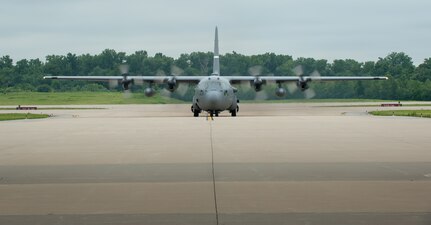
[213, 174]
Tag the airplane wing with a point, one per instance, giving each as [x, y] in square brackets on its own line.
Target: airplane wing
[150, 79]
[196, 79]
[282, 79]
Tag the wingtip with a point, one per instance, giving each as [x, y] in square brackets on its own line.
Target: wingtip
[381, 78]
[49, 77]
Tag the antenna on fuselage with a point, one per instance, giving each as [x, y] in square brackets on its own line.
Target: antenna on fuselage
[216, 62]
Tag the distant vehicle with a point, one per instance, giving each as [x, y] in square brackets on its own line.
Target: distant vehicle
[215, 93]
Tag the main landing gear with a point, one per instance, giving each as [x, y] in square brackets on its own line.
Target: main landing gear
[196, 111]
[233, 112]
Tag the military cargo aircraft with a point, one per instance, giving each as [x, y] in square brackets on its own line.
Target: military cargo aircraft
[215, 93]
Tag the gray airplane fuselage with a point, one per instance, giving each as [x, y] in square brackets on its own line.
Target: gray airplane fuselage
[215, 94]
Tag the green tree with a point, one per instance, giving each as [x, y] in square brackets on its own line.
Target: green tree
[6, 62]
[399, 65]
[406, 82]
[423, 71]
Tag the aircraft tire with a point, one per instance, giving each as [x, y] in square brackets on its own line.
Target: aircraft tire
[233, 113]
[196, 113]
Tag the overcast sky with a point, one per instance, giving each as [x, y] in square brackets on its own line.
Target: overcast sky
[332, 29]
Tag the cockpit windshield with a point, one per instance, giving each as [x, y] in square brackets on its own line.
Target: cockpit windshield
[214, 85]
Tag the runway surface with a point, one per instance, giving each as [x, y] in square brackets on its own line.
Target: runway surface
[273, 164]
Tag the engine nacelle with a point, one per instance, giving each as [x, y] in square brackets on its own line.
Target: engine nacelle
[280, 92]
[171, 84]
[126, 83]
[149, 92]
[302, 85]
[257, 84]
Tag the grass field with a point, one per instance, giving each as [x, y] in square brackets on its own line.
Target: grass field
[80, 98]
[56, 108]
[100, 98]
[378, 105]
[315, 100]
[415, 113]
[20, 116]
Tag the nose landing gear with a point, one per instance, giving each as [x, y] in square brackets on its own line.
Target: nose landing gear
[214, 113]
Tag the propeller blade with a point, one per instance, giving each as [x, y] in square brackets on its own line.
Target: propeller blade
[291, 87]
[127, 94]
[255, 70]
[113, 84]
[261, 95]
[176, 71]
[160, 73]
[309, 93]
[298, 70]
[165, 93]
[124, 69]
[182, 88]
[315, 74]
[138, 82]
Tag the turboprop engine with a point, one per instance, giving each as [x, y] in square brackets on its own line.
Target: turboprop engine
[257, 84]
[149, 92]
[171, 84]
[280, 92]
[302, 83]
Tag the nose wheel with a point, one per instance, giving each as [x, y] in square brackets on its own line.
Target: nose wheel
[214, 113]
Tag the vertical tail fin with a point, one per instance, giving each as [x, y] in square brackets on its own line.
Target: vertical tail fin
[216, 62]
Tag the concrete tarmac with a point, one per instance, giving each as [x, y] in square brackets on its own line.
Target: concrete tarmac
[316, 163]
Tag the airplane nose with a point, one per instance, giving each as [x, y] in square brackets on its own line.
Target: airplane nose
[213, 98]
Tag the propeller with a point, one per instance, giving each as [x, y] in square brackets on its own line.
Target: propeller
[257, 72]
[124, 71]
[302, 82]
[172, 84]
[125, 82]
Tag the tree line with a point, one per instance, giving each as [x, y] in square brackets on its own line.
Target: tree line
[406, 81]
